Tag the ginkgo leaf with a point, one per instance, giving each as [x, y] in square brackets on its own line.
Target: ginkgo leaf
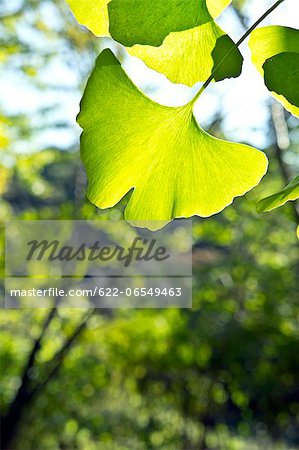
[173, 167]
[183, 60]
[93, 14]
[179, 39]
[216, 7]
[289, 193]
[275, 52]
[281, 73]
[148, 22]
[194, 43]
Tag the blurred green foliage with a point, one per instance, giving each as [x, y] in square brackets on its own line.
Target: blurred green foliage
[224, 375]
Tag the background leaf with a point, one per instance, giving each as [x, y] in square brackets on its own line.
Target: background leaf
[269, 42]
[175, 168]
[290, 192]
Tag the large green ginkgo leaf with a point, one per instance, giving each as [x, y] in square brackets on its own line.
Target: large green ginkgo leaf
[177, 38]
[289, 193]
[275, 52]
[190, 43]
[148, 22]
[173, 167]
[93, 14]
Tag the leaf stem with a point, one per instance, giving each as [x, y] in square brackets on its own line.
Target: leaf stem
[240, 41]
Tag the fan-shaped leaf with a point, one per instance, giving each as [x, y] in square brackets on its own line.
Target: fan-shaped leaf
[94, 14]
[191, 56]
[290, 192]
[178, 39]
[148, 22]
[275, 52]
[174, 167]
[281, 74]
[192, 47]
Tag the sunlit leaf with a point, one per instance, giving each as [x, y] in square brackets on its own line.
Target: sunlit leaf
[92, 14]
[148, 22]
[173, 166]
[178, 39]
[184, 61]
[191, 43]
[275, 52]
[290, 192]
[216, 7]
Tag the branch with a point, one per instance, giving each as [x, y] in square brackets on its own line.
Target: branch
[282, 138]
[282, 143]
[58, 359]
[10, 422]
[242, 19]
[11, 419]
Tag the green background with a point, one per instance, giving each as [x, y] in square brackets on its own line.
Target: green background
[223, 375]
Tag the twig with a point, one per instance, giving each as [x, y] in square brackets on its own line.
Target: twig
[11, 419]
[282, 143]
[282, 138]
[60, 355]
